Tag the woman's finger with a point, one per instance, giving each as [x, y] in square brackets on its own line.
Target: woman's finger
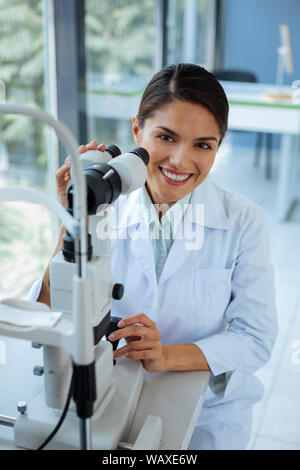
[60, 174]
[67, 176]
[135, 346]
[140, 355]
[82, 149]
[92, 145]
[138, 318]
[129, 339]
[135, 330]
[101, 147]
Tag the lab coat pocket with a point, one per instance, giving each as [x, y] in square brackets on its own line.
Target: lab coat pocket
[212, 294]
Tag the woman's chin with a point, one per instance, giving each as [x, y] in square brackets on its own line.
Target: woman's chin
[170, 196]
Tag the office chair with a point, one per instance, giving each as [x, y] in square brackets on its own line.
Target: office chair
[245, 76]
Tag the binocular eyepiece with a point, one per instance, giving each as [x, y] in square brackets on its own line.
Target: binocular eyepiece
[108, 174]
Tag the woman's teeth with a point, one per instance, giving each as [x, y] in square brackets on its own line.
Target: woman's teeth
[174, 177]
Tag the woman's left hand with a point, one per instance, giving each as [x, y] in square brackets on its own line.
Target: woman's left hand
[143, 342]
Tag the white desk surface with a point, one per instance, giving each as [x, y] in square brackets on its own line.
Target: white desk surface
[175, 396]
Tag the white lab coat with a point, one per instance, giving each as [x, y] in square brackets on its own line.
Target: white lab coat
[220, 297]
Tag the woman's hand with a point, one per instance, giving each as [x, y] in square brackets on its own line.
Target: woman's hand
[63, 174]
[143, 342]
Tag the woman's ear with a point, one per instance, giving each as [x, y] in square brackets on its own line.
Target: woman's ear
[136, 130]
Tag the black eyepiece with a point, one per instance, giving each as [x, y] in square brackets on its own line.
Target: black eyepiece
[113, 150]
[142, 153]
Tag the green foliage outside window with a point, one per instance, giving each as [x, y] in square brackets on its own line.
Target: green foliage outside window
[21, 69]
[120, 35]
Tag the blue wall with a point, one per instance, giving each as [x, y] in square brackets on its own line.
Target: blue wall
[252, 38]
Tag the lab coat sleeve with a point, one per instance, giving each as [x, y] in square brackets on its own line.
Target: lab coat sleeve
[251, 317]
[35, 290]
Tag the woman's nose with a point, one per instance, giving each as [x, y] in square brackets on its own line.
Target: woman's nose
[180, 158]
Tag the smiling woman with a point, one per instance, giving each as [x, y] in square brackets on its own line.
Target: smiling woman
[191, 306]
[180, 159]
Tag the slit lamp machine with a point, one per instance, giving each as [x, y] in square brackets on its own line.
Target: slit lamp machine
[88, 401]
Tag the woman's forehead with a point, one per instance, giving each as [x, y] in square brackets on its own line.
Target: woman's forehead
[184, 115]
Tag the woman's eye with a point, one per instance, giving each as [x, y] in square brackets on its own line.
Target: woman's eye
[165, 137]
[204, 146]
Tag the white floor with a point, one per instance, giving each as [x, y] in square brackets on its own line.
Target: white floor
[276, 422]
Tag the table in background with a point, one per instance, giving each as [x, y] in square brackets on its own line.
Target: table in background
[249, 110]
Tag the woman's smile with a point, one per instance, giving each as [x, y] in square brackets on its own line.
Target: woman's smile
[175, 178]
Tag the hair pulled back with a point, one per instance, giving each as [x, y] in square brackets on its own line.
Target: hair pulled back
[185, 82]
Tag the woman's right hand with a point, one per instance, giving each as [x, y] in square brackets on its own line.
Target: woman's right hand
[63, 174]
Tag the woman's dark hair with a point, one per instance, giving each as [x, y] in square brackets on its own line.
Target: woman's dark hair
[185, 82]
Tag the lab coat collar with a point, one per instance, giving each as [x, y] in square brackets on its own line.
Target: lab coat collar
[207, 193]
[215, 216]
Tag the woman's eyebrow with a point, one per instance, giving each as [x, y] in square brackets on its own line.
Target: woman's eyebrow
[207, 138]
[167, 130]
[177, 135]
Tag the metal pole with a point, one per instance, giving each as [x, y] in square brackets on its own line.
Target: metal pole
[8, 421]
[190, 31]
[85, 434]
[161, 52]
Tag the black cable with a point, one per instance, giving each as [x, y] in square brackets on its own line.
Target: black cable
[63, 415]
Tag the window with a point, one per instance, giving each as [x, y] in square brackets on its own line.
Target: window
[25, 229]
[120, 56]
[191, 27]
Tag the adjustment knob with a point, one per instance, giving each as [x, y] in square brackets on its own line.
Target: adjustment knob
[113, 326]
[117, 291]
[38, 370]
[21, 407]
